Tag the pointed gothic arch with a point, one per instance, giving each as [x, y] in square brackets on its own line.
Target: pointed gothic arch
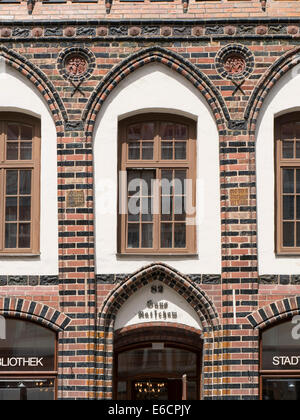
[168, 58]
[40, 81]
[281, 66]
[182, 285]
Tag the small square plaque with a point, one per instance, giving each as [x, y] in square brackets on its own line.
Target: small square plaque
[75, 198]
[239, 197]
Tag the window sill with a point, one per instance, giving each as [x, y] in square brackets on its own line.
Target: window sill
[290, 253]
[19, 255]
[155, 255]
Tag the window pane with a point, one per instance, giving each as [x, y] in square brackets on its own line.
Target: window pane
[167, 150]
[297, 130]
[298, 234]
[179, 235]
[148, 131]
[122, 390]
[287, 131]
[134, 209]
[25, 182]
[298, 207]
[180, 150]
[25, 209]
[166, 207]
[147, 177]
[179, 210]
[11, 209]
[288, 234]
[167, 182]
[133, 182]
[11, 182]
[134, 132]
[12, 132]
[166, 235]
[133, 235]
[281, 389]
[146, 209]
[287, 149]
[179, 182]
[12, 150]
[288, 180]
[298, 149]
[288, 207]
[298, 180]
[24, 235]
[11, 235]
[145, 361]
[181, 132]
[167, 131]
[26, 150]
[147, 150]
[134, 150]
[26, 132]
[147, 235]
[27, 339]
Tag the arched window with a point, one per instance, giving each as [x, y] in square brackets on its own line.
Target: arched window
[19, 184]
[280, 361]
[287, 132]
[157, 164]
[28, 365]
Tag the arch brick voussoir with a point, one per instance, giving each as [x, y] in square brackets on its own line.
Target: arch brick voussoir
[40, 81]
[34, 311]
[168, 58]
[274, 312]
[281, 66]
[181, 284]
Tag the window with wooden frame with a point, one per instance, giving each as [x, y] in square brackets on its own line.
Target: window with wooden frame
[157, 164]
[19, 184]
[279, 361]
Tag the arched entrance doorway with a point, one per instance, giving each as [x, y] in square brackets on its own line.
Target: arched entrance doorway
[157, 363]
[157, 296]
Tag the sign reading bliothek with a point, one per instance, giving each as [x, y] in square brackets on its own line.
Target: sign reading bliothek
[21, 362]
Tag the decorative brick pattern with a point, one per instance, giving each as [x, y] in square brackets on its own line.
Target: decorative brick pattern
[34, 311]
[198, 300]
[233, 307]
[120, 278]
[29, 280]
[275, 312]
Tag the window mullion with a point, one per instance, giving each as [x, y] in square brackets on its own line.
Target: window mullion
[156, 209]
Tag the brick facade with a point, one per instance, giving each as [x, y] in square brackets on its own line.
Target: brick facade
[119, 37]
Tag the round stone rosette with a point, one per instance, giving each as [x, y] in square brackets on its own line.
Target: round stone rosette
[76, 64]
[234, 62]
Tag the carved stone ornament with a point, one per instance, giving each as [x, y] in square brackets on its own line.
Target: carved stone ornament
[234, 64]
[76, 65]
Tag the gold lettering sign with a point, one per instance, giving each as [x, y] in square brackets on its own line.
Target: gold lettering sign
[239, 197]
[75, 199]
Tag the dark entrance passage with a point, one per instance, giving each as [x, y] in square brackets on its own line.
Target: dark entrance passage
[157, 370]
